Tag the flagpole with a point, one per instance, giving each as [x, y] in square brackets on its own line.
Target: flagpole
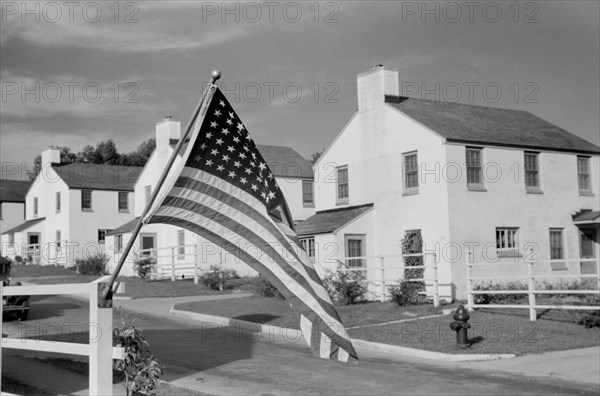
[107, 290]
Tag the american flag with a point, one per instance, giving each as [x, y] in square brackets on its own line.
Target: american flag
[224, 191]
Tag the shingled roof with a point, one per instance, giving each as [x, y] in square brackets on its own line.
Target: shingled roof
[472, 124]
[24, 226]
[326, 221]
[98, 177]
[13, 190]
[286, 162]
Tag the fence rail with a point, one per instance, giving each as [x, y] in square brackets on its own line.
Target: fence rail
[99, 349]
[382, 281]
[180, 265]
[532, 291]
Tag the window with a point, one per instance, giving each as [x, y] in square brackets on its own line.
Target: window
[148, 195]
[532, 178]
[119, 243]
[506, 242]
[86, 200]
[587, 251]
[123, 201]
[309, 246]
[102, 235]
[474, 173]
[180, 245]
[307, 193]
[58, 238]
[11, 238]
[355, 247]
[411, 173]
[556, 249]
[35, 207]
[342, 184]
[583, 175]
[58, 202]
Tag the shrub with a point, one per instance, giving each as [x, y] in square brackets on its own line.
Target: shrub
[264, 288]
[92, 265]
[143, 265]
[216, 277]
[140, 368]
[19, 260]
[345, 287]
[408, 293]
[411, 292]
[500, 298]
[589, 319]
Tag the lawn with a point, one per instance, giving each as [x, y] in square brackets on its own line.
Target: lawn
[277, 312]
[491, 331]
[134, 287]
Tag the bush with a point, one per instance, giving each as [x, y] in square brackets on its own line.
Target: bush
[140, 369]
[216, 277]
[411, 292]
[19, 260]
[92, 265]
[143, 265]
[263, 287]
[408, 293]
[500, 298]
[345, 287]
[589, 319]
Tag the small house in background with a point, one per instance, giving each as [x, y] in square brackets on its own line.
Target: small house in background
[69, 210]
[476, 184]
[12, 204]
[176, 247]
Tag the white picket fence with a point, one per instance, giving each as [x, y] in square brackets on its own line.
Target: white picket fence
[173, 264]
[531, 277]
[99, 349]
[384, 271]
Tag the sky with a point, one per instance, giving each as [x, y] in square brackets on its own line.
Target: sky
[77, 73]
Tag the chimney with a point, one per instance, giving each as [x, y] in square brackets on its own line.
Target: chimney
[50, 156]
[167, 132]
[374, 84]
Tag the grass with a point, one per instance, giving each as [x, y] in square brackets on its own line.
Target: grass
[13, 386]
[494, 332]
[277, 312]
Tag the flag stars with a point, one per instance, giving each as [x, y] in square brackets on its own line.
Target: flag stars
[254, 187]
[219, 141]
[203, 146]
[236, 139]
[243, 180]
[214, 152]
[209, 162]
[225, 132]
[271, 195]
[237, 164]
[229, 121]
[240, 126]
[217, 113]
[231, 149]
[231, 115]
[242, 156]
[222, 103]
[226, 158]
[198, 158]
[262, 166]
[209, 135]
[232, 174]
[220, 167]
[248, 171]
[213, 124]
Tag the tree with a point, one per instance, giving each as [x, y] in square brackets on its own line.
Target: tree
[106, 153]
[314, 157]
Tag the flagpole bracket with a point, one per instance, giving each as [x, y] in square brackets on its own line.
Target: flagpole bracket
[104, 301]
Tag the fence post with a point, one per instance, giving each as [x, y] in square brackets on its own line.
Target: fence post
[382, 268]
[172, 264]
[470, 299]
[531, 289]
[100, 381]
[436, 290]
[598, 271]
[195, 264]
[1, 335]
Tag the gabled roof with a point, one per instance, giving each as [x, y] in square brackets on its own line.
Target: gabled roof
[24, 226]
[13, 190]
[472, 124]
[327, 221]
[286, 162]
[98, 177]
[124, 228]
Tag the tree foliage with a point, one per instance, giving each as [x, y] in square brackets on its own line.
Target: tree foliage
[105, 152]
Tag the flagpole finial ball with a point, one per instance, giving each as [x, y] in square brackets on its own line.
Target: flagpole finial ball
[215, 75]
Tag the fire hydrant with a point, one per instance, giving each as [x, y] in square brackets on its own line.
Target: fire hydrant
[460, 325]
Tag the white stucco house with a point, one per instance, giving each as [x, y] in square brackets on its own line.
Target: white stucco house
[174, 245]
[12, 204]
[69, 210]
[489, 181]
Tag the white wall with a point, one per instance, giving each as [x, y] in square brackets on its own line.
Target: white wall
[13, 214]
[292, 191]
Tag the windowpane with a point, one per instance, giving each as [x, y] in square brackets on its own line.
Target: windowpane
[35, 207]
[86, 199]
[342, 177]
[58, 238]
[123, 201]
[148, 194]
[307, 191]
[586, 242]
[355, 248]
[474, 166]
[583, 173]
[119, 243]
[58, 203]
[308, 244]
[181, 244]
[506, 241]
[531, 170]
[411, 171]
[556, 245]
[102, 235]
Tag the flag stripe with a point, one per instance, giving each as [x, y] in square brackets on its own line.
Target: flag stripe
[236, 222]
[329, 325]
[228, 194]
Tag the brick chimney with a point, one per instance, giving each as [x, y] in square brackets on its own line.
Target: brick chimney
[50, 156]
[374, 84]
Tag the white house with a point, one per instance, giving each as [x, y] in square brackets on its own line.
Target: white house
[500, 184]
[175, 245]
[12, 203]
[69, 210]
